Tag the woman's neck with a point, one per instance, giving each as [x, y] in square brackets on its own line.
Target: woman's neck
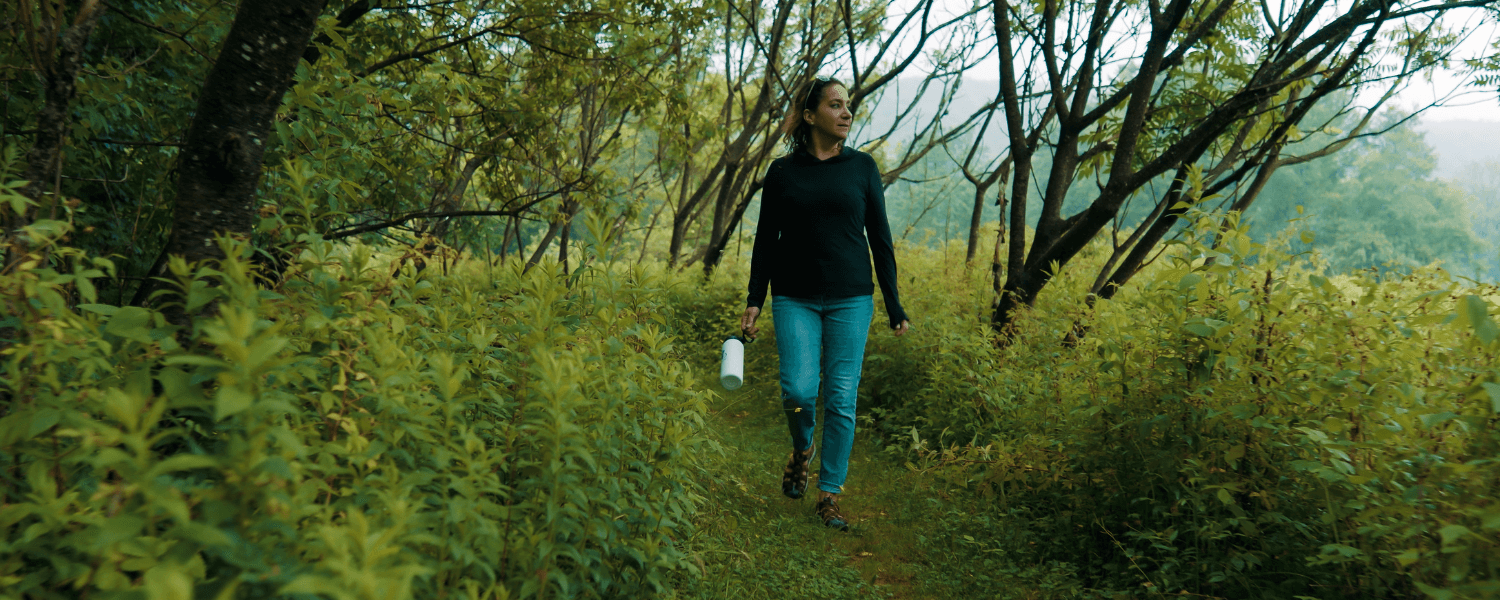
[824, 147]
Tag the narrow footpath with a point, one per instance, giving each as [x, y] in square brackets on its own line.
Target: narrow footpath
[753, 542]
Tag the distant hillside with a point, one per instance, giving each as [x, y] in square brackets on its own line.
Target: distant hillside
[1458, 143]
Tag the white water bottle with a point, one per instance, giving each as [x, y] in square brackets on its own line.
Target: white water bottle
[732, 364]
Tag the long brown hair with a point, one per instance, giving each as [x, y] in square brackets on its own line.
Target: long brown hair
[808, 97]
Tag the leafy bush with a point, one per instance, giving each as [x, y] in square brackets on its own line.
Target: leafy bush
[355, 434]
[1234, 424]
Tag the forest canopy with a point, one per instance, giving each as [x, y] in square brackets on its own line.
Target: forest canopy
[486, 126]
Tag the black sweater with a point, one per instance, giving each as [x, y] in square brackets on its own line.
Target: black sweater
[814, 216]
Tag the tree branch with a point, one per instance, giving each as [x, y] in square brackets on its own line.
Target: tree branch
[159, 29]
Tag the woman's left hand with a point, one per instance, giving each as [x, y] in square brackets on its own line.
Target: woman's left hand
[900, 329]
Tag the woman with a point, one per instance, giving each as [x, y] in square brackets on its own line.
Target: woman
[819, 204]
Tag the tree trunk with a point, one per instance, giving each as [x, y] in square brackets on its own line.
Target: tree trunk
[453, 197]
[716, 251]
[975, 220]
[513, 226]
[541, 248]
[570, 209]
[1005, 301]
[722, 207]
[59, 83]
[650, 227]
[221, 155]
[562, 246]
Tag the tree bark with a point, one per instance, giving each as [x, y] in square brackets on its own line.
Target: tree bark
[562, 246]
[722, 206]
[716, 250]
[453, 196]
[1021, 151]
[541, 248]
[570, 210]
[59, 83]
[221, 156]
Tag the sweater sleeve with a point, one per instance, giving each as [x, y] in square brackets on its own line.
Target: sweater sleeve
[767, 235]
[878, 231]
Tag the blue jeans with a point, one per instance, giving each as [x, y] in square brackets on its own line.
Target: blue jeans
[827, 336]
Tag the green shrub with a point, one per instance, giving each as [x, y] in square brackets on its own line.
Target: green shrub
[354, 434]
[1233, 424]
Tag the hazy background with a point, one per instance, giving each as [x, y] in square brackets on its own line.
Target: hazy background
[1427, 191]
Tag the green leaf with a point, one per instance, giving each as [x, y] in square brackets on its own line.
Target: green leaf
[39, 477]
[1435, 419]
[43, 420]
[1234, 454]
[1322, 283]
[120, 528]
[304, 584]
[85, 288]
[1343, 550]
[263, 350]
[181, 462]
[132, 323]
[190, 359]
[1434, 593]
[177, 385]
[1494, 391]
[1333, 425]
[231, 400]
[167, 581]
[103, 309]
[1478, 313]
[1190, 280]
[1199, 329]
[1453, 532]
[275, 465]
[1490, 520]
[203, 534]
[18, 202]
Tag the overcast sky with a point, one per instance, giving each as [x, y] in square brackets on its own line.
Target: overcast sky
[1469, 103]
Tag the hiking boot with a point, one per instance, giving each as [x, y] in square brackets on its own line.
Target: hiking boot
[828, 511]
[794, 477]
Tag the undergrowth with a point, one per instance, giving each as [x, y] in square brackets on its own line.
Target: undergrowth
[367, 430]
[1234, 424]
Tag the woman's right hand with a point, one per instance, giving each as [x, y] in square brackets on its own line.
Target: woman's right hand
[747, 323]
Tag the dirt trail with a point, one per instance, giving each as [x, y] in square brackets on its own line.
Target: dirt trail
[756, 543]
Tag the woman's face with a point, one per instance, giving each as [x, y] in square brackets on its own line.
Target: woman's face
[832, 118]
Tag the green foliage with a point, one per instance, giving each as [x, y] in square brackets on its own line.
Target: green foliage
[987, 555]
[1376, 205]
[1238, 427]
[133, 103]
[352, 435]
[549, 97]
